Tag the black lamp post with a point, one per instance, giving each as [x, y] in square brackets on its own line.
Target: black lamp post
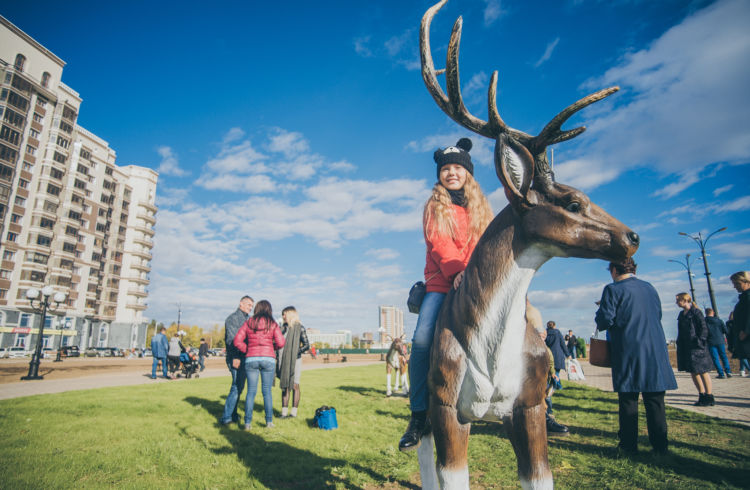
[702, 244]
[43, 304]
[686, 265]
[60, 346]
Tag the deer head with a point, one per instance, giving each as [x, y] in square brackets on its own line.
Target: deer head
[558, 217]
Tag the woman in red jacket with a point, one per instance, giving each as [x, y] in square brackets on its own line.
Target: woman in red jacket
[258, 339]
[455, 216]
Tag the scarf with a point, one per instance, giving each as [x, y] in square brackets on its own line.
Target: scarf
[458, 197]
[289, 356]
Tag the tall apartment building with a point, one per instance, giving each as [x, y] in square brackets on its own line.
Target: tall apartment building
[69, 217]
[391, 323]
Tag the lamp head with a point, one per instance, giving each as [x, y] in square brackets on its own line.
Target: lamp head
[59, 297]
[47, 291]
[32, 293]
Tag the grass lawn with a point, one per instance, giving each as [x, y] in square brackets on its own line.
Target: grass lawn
[166, 435]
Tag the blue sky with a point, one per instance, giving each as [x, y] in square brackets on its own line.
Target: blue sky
[294, 141]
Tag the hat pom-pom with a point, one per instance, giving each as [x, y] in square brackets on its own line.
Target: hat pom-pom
[465, 144]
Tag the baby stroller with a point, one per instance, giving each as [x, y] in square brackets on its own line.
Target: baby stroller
[188, 364]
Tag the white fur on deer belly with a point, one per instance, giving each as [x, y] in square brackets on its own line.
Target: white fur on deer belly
[494, 359]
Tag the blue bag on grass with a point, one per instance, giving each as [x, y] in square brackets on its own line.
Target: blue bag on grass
[325, 418]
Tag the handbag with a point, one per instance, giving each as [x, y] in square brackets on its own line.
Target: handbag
[325, 418]
[416, 295]
[599, 351]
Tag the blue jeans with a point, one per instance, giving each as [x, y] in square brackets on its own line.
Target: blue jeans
[266, 368]
[744, 365]
[163, 366]
[421, 344]
[238, 383]
[718, 353]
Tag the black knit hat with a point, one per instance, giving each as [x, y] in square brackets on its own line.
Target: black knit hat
[458, 155]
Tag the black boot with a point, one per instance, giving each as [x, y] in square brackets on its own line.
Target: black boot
[413, 435]
[702, 400]
[710, 401]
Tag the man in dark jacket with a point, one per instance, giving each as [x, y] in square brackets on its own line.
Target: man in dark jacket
[159, 348]
[202, 353]
[235, 359]
[716, 341]
[556, 344]
[631, 310]
[572, 342]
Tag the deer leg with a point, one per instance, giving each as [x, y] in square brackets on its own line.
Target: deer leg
[452, 443]
[388, 382]
[527, 431]
[398, 375]
[426, 457]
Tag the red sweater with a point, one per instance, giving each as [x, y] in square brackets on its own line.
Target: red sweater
[446, 256]
[260, 342]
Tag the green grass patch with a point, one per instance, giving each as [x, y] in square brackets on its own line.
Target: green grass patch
[166, 435]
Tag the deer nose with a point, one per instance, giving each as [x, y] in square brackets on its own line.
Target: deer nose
[634, 238]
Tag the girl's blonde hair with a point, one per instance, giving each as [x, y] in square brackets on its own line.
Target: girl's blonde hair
[741, 276]
[438, 212]
[686, 296]
[291, 315]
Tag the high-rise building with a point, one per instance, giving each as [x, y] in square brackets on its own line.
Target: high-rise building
[69, 216]
[391, 323]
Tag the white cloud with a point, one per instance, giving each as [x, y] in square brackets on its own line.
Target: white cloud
[685, 97]
[721, 190]
[289, 143]
[361, 46]
[739, 251]
[547, 52]
[492, 12]
[382, 253]
[475, 89]
[169, 164]
[482, 151]
[671, 190]
[585, 174]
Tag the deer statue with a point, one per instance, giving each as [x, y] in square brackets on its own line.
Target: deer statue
[395, 360]
[485, 364]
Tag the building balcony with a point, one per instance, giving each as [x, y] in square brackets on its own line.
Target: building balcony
[147, 218]
[144, 241]
[137, 306]
[146, 230]
[148, 206]
[138, 293]
[138, 280]
[142, 254]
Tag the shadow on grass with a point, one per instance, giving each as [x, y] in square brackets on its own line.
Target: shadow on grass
[263, 458]
[363, 390]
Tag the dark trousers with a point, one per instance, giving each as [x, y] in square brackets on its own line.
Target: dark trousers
[656, 420]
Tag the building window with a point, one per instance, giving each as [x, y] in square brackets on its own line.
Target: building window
[8, 255]
[8, 154]
[13, 118]
[3, 293]
[20, 61]
[85, 154]
[65, 143]
[27, 166]
[34, 133]
[20, 201]
[59, 157]
[12, 237]
[20, 341]
[23, 183]
[11, 136]
[5, 274]
[6, 172]
[31, 150]
[69, 247]
[56, 173]
[41, 101]
[38, 117]
[45, 79]
[53, 189]
[37, 258]
[15, 218]
[43, 240]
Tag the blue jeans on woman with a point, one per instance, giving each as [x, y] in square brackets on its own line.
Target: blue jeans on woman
[718, 353]
[421, 344]
[265, 367]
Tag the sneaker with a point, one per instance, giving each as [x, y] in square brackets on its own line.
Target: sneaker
[269, 425]
[247, 427]
[729, 375]
[721, 376]
[742, 373]
[553, 427]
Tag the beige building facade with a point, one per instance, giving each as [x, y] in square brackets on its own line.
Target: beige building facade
[391, 323]
[70, 217]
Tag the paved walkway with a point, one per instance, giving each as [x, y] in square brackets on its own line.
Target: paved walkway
[732, 394]
[126, 378]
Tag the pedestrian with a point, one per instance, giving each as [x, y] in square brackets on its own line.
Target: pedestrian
[454, 218]
[557, 345]
[289, 369]
[741, 320]
[235, 359]
[571, 342]
[534, 321]
[173, 355]
[259, 339]
[692, 348]
[159, 349]
[630, 310]
[717, 332]
[202, 353]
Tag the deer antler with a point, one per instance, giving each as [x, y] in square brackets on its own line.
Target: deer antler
[453, 104]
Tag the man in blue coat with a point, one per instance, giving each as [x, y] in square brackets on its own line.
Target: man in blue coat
[235, 359]
[159, 348]
[556, 344]
[631, 310]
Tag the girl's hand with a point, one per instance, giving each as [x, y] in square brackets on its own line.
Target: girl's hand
[457, 279]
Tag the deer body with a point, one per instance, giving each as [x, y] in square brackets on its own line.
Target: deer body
[486, 364]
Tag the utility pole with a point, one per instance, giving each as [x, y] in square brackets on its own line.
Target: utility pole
[702, 244]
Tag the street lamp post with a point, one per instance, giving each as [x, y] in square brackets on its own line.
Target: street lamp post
[43, 304]
[59, 347]
[686, 265]
[702, 244]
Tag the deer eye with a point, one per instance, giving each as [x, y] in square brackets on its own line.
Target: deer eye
[573, 207]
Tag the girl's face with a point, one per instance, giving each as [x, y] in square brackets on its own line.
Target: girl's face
[453, 176]
[283, 317]
[684, 304]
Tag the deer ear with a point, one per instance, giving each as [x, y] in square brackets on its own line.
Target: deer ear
[514, 166]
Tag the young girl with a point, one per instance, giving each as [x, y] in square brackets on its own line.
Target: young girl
[289, 368]
[455, 216]
[692, 348]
